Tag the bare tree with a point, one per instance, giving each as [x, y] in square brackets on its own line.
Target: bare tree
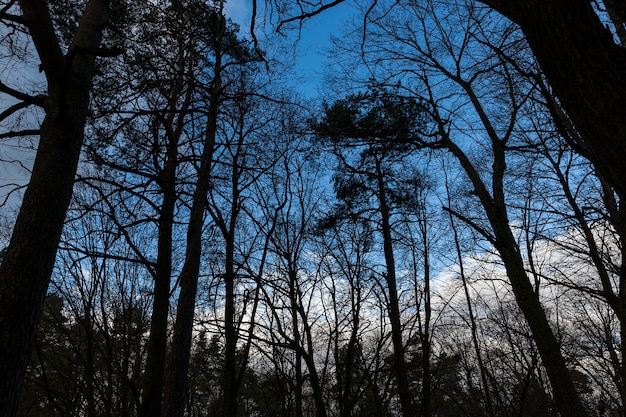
[88, 357]
[295, 288]
[469, 101]
[345, 261]
[580, 56]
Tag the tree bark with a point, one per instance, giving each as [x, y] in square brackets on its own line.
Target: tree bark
[27, 265]
[585, 68]
[178, 363]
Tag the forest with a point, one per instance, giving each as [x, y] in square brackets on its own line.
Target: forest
[438, 233]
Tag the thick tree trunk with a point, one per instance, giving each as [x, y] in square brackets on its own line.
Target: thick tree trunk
[565, 396]
[585, 68]
[173, 125]
[27, 265]
[178, 363]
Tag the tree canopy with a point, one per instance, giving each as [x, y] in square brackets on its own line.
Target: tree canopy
[440, 233]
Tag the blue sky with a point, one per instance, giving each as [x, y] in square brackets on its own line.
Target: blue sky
[308, 77]
[314, 40]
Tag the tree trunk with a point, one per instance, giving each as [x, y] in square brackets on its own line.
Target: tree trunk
[230, 330]
[302, 352]
[178, 363]
[566, 398]
[316, 384]
[27, 265]
[299, 382]
[585, 68]
[157, 343]
[425, 336]
[347, 398]
[399, 361]
[489, 409]
[173, 125]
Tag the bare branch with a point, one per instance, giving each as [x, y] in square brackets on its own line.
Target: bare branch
[19, 133]
[14, 108]
[307, 15]
[36, 100]
[471, 223]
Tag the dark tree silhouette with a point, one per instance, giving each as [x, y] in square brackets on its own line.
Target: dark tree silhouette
[27, 265]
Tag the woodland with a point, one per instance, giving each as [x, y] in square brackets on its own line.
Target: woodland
[438, 233]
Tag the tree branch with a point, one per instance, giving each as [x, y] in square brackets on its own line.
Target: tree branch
[36, 100]
[19, 133]
[39, 22]
[471, 223]
[306, 15]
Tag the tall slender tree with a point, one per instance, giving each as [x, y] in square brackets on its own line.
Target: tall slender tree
[380, 128]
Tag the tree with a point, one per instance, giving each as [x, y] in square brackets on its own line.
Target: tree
[100, 333]
[141, 148]
[380, 128]
[579, 56]
[178, 359]
[504, 241]
[236, 167]
[27, 266]
[457, 72]
[583, 64]
[205, 375]
[289, 200]
[89, 351]
[345, 249]
[52, 385]
[470, 316]
[155, 144]
[598, 230]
